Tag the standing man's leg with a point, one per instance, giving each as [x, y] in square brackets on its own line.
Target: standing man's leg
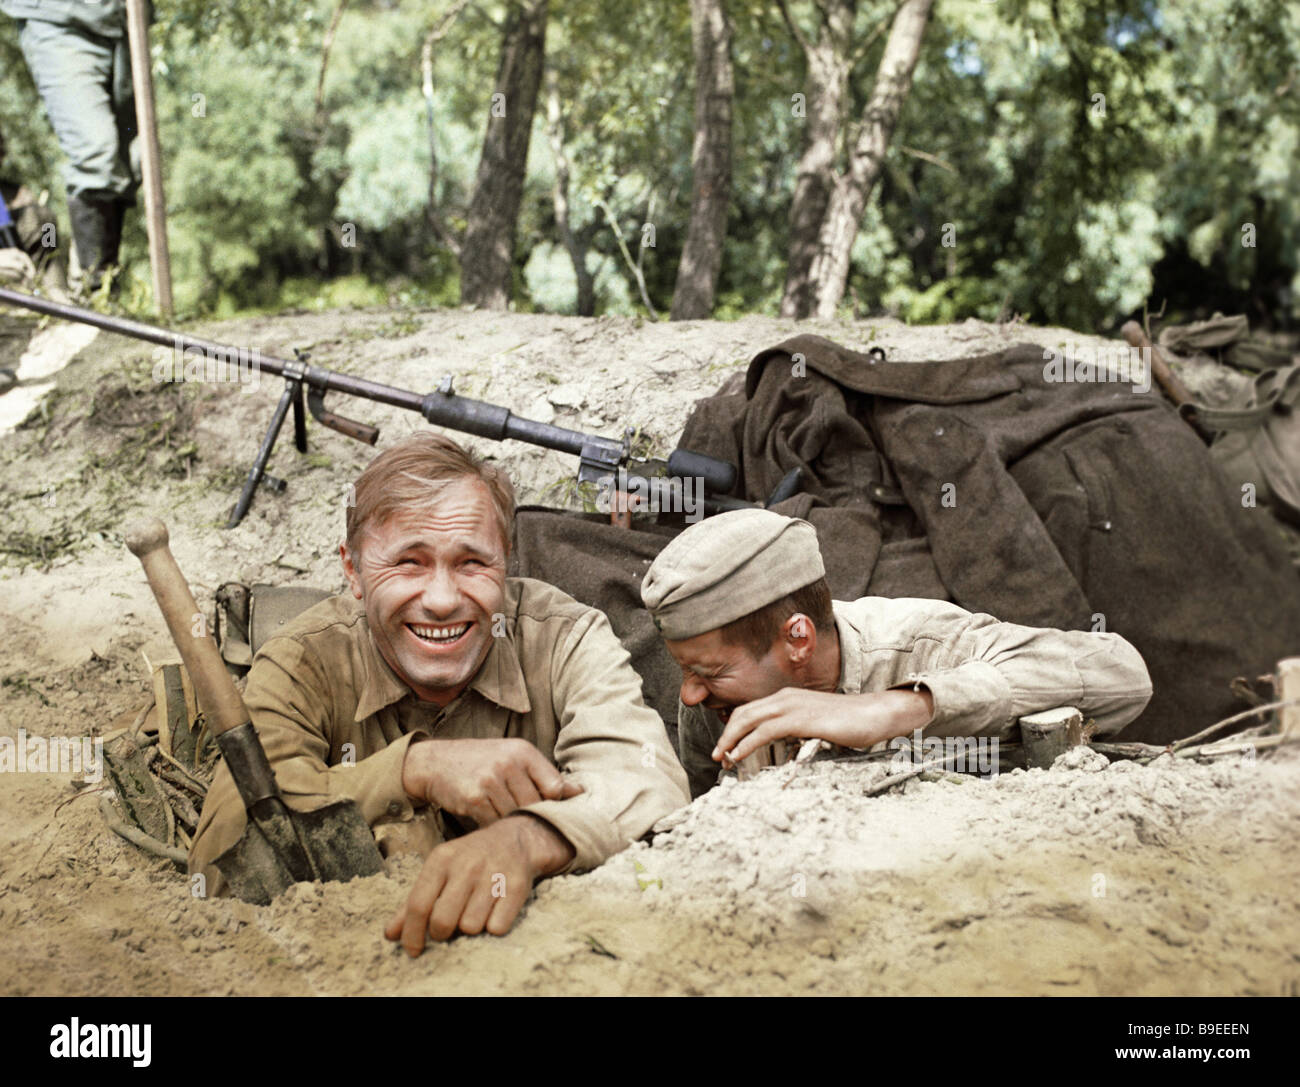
[84, 81]
[128, 142]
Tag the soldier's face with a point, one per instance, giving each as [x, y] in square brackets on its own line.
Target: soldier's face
[431, 580]
[724, 676]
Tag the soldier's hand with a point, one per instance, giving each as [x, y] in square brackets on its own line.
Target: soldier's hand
[850, 720]
[478, 882]
[484, 780]
[16, 266]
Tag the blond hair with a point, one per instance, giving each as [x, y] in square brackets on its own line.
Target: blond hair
[413, 474]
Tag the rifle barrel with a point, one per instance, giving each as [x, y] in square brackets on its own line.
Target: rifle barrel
[440, 408]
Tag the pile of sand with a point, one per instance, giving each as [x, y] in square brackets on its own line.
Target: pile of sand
[1087, 879]
[1169, 878]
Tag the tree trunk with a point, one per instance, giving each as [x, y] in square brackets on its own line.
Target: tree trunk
[326, 45]
[436, 33]
[487, 253]
[701, 260]
[830, 267]
[573, 243]
[828, 66]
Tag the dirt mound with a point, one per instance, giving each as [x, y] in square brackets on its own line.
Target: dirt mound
[1167, 878]
[1164, 879]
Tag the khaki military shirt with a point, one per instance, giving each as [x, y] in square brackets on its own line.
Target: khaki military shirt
[984, 675]
[336, 722]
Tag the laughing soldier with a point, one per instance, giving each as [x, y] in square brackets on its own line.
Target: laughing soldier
[742, 603]
[443, 697]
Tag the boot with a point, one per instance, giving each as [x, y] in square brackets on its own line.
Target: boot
[116, 216]
[97, 234]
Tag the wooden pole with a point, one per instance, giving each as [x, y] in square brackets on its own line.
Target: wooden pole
[1049, 734]
[1288, 687]
[155, 207]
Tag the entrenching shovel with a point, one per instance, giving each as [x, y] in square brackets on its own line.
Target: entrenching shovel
[279, 846]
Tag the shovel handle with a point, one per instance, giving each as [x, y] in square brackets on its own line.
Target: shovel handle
[1134, 336]
[216, 692]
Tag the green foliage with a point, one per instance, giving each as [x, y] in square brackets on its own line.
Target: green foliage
[32, 153]
[1009, 187]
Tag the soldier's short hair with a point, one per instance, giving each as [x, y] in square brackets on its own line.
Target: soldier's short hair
[411, 475]
[756, 631]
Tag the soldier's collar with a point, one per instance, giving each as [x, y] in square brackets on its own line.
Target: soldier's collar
[850, 655]
[500, 678]
[381, 686]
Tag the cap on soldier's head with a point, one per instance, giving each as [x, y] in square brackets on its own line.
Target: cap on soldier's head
[726, 567]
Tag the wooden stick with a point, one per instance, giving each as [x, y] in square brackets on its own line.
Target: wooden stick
[807, 750]
[1245, 715]
[1227, 747]
[885, 784]
[138, 837]
[189, 777]
[1288, 690]
[155, 206]
[184, 808]
[1174, 389]
[1233, 745]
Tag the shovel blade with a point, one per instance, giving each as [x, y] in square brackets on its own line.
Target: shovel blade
[336, 840]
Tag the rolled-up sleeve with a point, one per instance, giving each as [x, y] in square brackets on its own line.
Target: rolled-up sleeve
[609, 742]
[984, 675]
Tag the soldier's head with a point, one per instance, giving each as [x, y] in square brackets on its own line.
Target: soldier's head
[428, 536]
[743, 606]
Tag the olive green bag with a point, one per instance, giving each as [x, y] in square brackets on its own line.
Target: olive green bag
[255, 613]
[1257, 440]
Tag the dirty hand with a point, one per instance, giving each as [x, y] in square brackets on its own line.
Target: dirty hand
[850, 720]
[484, 780]
[478, 882]
[15, 265]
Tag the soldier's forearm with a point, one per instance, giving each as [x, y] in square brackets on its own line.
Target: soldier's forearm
[548, 850]
[415, 769]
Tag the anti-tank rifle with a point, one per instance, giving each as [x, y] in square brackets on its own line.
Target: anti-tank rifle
[685, 480]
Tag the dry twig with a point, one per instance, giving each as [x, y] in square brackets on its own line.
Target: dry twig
[138, 837]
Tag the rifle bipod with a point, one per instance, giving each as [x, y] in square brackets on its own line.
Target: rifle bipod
[297, 381]
[606, 462]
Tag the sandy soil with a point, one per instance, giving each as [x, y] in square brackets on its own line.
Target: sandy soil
[1172, 878]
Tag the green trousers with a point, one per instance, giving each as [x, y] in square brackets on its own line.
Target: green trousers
[85, 82]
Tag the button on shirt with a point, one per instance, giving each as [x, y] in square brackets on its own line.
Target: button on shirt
[984, 675]
[336, 722]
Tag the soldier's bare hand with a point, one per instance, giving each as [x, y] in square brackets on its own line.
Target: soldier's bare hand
[479, 882]
[850, 720]
[484, 780]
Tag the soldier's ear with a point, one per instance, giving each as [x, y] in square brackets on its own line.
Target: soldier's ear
[350, 570]
[800, 636]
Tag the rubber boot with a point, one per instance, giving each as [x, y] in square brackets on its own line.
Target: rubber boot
[97, 234]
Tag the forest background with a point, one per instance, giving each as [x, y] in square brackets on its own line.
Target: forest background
[1066, 161]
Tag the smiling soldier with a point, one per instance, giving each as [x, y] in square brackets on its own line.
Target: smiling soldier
[442, 696]
[743, 606]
